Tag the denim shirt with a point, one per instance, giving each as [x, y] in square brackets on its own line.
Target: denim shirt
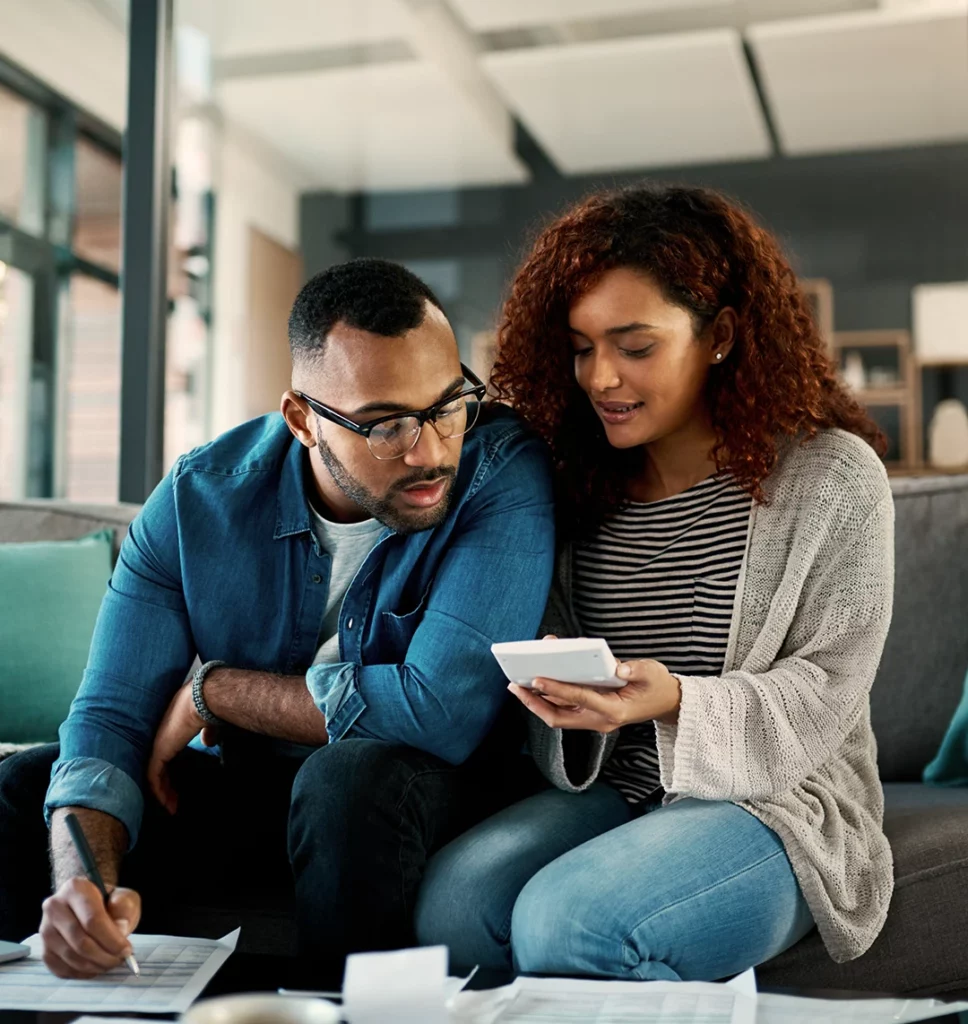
[222, 563]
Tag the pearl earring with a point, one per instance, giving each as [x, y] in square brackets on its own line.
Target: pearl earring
[719, 356]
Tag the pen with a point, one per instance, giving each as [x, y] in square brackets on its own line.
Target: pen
[90, 868]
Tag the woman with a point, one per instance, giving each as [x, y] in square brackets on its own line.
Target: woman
[729, 531]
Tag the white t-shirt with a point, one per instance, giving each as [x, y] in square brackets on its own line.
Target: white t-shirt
[348, 545]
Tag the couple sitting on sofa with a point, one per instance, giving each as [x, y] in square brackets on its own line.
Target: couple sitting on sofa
[342, 570]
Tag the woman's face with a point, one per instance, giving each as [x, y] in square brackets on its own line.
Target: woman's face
[638, 359]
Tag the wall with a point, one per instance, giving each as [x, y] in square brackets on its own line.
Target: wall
[251, 191]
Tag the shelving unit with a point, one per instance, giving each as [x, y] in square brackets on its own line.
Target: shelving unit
[945, 367]
[905, 395]
[820, 295]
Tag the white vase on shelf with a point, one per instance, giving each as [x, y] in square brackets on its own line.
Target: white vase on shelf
[854, 376]
[948, 436]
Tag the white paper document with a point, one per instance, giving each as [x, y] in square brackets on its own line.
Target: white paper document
[114, 1020]
[542, 1000]
[777, 1009]
[174, 971]
[405, 985]
[563, 1001]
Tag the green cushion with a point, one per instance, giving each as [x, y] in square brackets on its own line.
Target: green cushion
[950, 766]
[50, 593]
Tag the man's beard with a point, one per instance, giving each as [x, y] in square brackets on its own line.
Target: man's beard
[383, 508]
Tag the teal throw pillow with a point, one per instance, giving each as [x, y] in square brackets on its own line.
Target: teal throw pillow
[50, 593]
[950, 766]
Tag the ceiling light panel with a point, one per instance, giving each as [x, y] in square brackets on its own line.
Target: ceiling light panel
[495, 15]
[636, 103]
[894, 77]
[243, 27]
[373, 128]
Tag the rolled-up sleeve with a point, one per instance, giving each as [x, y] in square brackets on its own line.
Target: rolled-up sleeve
[336, 694]
[100, 786]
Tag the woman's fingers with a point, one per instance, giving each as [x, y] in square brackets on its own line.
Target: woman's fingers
[566, 717]
[548, 713]
[571, 694]
[559, 703]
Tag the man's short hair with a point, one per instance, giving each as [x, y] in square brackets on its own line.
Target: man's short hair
[368, 294]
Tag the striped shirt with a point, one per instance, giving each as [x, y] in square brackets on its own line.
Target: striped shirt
[658, 580]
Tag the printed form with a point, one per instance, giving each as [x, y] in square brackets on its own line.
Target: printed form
[174, 971]
[547, 1000]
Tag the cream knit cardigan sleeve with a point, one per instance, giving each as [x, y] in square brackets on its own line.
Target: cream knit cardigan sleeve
[785, 730]
[748, 735]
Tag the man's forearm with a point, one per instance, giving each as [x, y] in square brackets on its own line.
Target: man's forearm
[279, 706]
[106, 836]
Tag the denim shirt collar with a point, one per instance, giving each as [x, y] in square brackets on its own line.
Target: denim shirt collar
[292, 508]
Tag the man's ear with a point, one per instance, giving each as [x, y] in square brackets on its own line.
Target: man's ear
[299, 418]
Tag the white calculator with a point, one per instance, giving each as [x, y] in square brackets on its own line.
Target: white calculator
[583, 660]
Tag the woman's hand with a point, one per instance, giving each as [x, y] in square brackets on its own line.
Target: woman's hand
[651, 693]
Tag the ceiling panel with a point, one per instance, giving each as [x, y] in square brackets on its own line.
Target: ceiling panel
[494, 15]
[388, 127]
[636, 103]
[242, 27]
[873, 79]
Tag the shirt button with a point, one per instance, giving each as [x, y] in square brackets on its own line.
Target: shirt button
[317, 578]
[349, 623]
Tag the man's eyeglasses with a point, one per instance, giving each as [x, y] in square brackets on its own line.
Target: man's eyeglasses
[391, 437]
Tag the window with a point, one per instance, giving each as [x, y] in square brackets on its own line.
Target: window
[97, 222]
[23, 130]
[16, 342]
[90, 369]
[60, 308]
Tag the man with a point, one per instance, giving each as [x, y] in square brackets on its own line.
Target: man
[340, 571]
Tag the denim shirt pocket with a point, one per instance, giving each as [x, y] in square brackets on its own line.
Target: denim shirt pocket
[399, 628]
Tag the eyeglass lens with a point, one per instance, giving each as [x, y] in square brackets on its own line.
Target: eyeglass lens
[394, 438]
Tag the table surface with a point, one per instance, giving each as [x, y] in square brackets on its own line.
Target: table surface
[248, 972]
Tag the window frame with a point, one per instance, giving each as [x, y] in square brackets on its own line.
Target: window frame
[50, 257]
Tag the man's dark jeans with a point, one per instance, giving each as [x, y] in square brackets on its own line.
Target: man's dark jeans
[362, 818]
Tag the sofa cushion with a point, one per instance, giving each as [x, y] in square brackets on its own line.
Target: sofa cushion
[922, 672]
[923, 949]
[43, 519]
[49, 599]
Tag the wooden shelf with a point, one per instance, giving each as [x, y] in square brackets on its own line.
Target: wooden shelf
[905, 394]
[873, 339]
[898, 469]
[883, 396]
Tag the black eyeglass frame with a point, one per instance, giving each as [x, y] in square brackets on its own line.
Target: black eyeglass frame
[422, 416]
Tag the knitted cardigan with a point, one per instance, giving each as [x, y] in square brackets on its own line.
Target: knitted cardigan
[785, 731]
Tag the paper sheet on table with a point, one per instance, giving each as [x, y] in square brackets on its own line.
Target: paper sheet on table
[777, 1009]
[534, 1000]
[408, 986]
[540, 1000]
[174, 971]
[114, 1020]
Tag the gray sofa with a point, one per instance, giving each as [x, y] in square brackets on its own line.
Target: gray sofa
[924, 945]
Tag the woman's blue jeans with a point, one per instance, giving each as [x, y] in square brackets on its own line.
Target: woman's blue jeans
[566, 883]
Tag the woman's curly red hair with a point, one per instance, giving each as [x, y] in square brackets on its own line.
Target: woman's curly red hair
[706, 253]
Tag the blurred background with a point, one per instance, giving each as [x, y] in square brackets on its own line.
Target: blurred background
[442, 134]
